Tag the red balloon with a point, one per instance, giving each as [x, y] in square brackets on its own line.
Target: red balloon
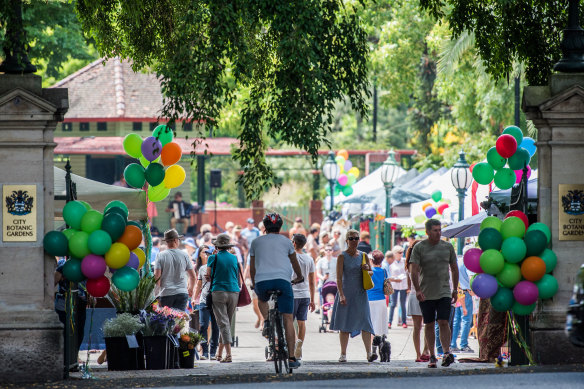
[521, 216]
[98, 287]
[442, 208]
[506, 145]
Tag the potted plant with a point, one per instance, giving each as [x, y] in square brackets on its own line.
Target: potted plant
[120, 355]
[188, 341]
[180, 324]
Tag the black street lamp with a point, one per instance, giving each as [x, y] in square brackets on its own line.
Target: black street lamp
[461, 180]
[331, 172]
[389, 171]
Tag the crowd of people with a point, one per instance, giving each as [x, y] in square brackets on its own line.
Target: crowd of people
[318, 269]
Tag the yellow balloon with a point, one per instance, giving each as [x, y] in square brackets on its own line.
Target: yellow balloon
[141, 256]
[117, 256]
[354, 171]
[175, 176]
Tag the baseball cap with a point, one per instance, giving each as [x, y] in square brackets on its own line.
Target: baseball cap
[250, 221]
[210, 249]
[190, 242]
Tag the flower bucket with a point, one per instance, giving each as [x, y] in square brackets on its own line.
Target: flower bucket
[173, 353]
[156, 351]
[186, 358]
[120, 356]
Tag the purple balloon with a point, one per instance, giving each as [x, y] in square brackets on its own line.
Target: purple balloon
[430, 211]
[93, 266]
[151, 148]
[348, 165]
[472, 260]
[134, 261]
[485, 285]
[112, 270]
[526, 292]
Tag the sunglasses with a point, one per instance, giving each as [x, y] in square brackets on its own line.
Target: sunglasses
[353, 238]
[329, 250]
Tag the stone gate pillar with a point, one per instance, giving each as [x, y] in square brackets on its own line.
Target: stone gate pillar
[557, 110]
[31, 335]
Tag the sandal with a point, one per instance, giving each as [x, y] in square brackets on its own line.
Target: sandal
[218, 358]
[425, 358]
[432, 363]
[227, 359]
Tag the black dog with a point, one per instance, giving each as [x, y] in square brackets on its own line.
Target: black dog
[384, 348]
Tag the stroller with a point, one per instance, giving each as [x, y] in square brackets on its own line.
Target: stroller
[328, 293]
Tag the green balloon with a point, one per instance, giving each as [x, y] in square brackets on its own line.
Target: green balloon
[160, 192]
[512, 226]
[154, 174]
[503, 300]
[337, 190]
[472, 279]
[491, 222]
[489, 238]
[134, 175]
[163, 133]
[437, 196]
[543, 228]
[492, 261]
[79, 244]
[119, 204]
[510, 275]
[515, 132]
[522, 310]
[494, 159]
[133, 145]
[535, 241]
[99, 242]
[550, 259]
[119, 211]
[351, 179]
[520, 159]
[56, 243]
[91, 221]
[69, 232]
[505, 178]
[86, 204]
[339, 160]
[73, 212]
[114, 224]
[547, 286]
[72, 270]
[126, 278]
[483, 173]
[513, 249]
[143, 161]
[347, 190]
[134, 223]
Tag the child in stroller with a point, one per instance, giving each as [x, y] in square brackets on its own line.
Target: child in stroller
[328, 293]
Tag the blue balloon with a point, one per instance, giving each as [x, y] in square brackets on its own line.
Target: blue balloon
[529, 145]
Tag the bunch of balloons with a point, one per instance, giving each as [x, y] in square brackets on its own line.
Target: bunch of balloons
[513, 264]
[158, 156]
[348, 174]
[433, 210]
[506, 160]
[96, 240]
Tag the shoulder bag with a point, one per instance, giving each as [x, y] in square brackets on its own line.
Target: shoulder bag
[367, 280]
[387, 287]
[209, 299]
[244, 297]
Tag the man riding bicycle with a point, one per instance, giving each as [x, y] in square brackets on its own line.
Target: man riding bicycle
[271, 257]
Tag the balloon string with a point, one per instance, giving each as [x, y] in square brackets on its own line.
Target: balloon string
[86, 370]
[518, 337]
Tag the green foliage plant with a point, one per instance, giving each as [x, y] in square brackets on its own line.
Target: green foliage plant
[136, 300]
[121, 325]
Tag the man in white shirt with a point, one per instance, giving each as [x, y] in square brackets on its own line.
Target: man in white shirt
[399, 281]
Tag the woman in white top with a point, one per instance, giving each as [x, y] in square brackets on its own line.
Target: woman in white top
[399, 281]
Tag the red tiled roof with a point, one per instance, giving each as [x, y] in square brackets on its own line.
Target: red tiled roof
[112, 91]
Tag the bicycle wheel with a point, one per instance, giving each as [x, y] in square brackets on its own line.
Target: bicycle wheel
[282, 347]
[272, 340]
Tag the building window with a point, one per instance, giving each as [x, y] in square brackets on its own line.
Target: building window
[153, 125]
[101, 126]
[67, 127]
[83, 126]
[137, 126]
[188, 126]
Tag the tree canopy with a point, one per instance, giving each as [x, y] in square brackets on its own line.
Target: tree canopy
[297, 58]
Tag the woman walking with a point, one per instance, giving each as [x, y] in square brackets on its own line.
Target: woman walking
[351, 314]
[413, 309]
[223, 272]
[377, 305]
[206, 315]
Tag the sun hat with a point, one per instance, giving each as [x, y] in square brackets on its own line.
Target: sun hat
[190, 242]
[223, 241]
[172, 235]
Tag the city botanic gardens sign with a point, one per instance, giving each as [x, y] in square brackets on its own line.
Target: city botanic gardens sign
[571, 212]
[19, 215]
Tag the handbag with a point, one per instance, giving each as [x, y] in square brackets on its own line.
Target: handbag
[367, 280]
[244, 297]
[209, 299]
[387, 287]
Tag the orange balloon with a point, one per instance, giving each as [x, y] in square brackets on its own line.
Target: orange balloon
[132, 237]
[533, 268]
[426, 205]
[171, 153]
[343, 153]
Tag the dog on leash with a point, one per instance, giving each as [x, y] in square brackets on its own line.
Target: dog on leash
[384, 348]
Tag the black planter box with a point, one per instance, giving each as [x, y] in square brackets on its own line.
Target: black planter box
[156, 351]
[186, 358]
[120, 356]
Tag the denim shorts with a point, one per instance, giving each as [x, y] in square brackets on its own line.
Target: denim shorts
[285, 301]
[301, 308]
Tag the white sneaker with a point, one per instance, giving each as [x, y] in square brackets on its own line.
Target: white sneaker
[203, 358]
[298, 349]
[343, 358]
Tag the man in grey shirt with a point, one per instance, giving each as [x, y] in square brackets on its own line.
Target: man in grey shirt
[171, 269]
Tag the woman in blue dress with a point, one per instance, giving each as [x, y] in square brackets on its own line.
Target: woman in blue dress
[351, 308]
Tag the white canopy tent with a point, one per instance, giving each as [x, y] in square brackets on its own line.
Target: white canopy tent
[98, 195]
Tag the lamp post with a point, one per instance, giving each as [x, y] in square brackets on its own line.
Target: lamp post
[389, 171]
[461, 180]
[331, 173]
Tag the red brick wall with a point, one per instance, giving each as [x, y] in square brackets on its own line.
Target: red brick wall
[235, 215]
